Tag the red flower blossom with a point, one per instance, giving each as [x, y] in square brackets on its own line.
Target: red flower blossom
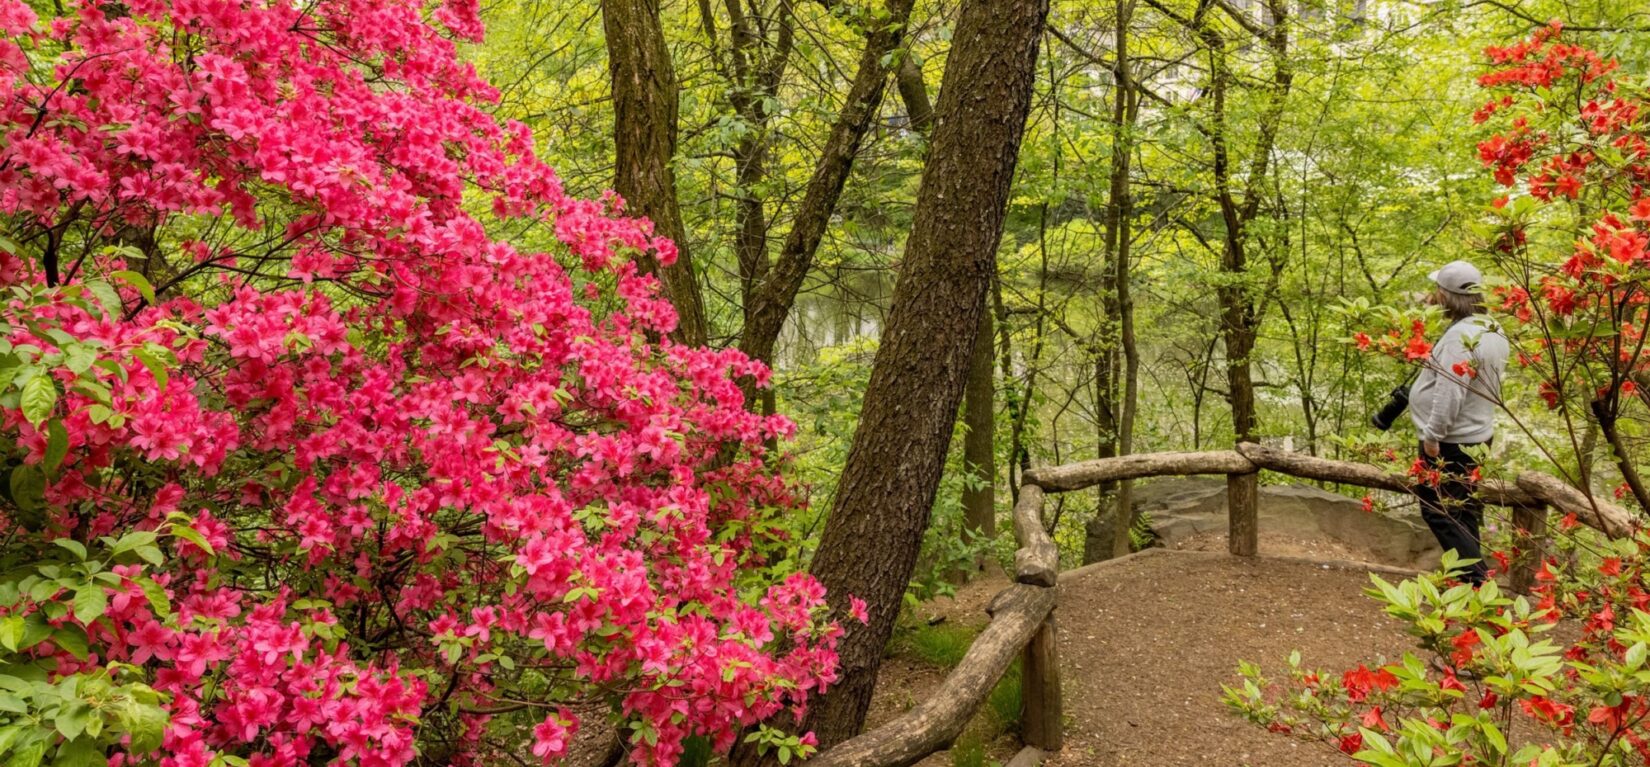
[1361, 681]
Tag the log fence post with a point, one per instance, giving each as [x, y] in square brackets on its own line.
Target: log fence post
[1041, 707]
[1243, 514]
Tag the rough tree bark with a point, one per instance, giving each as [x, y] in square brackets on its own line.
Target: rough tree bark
[914, 92]
[644, 137]
[887, 489]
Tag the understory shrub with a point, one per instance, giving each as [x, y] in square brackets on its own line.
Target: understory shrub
[304, 464]
[1560, 678]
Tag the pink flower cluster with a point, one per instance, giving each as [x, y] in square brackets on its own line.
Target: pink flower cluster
[430, 477]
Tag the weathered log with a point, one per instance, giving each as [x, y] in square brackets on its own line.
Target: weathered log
[935, 723]
[1599, 514]
[1042, 710]
[1076, 476]
[1243, 514]
[1323, 469]
[1363, 475]
[1037, 561]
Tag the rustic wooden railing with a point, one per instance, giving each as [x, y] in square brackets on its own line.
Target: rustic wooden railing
[1023, 615]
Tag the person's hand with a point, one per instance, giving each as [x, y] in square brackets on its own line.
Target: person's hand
[1431, 448]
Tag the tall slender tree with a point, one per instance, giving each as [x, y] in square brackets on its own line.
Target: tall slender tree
[773, 287]
[887, 490]
[979, 439]
[1119, 239]
[645, 108]
[1239, 304]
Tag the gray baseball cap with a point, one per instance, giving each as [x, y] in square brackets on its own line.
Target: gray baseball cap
[1459, 277]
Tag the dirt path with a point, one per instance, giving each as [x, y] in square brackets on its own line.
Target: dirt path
[1146, 643]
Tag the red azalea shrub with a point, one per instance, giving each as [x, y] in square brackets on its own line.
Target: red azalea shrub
[304, 464]
[1571, 142]
[1560, 678]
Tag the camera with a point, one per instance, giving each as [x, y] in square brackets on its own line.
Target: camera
[1396, 404]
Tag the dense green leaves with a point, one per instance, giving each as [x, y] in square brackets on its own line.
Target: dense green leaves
[75, 719]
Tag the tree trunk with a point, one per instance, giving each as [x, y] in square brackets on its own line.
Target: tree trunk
[1011, 394]
[914, 92]
[644, 138]
[1240, 317]
[1119, 236]
[979, 443]
[769, 303]
[757, 68]
[1605, 415]
[886, 493]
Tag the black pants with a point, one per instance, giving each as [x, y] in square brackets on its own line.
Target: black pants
[1452, 507]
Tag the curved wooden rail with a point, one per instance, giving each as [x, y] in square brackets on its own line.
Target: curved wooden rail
[1020, 612]
[1022, 615]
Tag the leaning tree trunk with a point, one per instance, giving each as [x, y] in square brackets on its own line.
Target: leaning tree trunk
[887, 489]
[644, 137]
[769, 301]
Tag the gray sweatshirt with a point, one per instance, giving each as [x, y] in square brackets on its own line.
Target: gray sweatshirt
[1448, 406]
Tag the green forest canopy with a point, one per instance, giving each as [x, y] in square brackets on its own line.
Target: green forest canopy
[1373, 180]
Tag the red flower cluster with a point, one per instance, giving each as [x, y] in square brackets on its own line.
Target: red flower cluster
[1566, 132]
[404, 472]
[1361, 681]
[1541, 61]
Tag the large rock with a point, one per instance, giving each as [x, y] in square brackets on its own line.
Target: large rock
[1184, 508]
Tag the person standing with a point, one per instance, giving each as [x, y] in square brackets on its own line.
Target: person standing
[1453, 405]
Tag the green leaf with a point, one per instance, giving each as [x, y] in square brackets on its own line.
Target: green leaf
[28, 487]
[192, 535]
[151, 554]
[35, 631]
[138, 281]
[71, 719]
[107, 297]
[11, 632]
[90, 603]
[57, 445]
[1496, 739]
[83, 752]
[79, 358]
[10, 366]
[134, 540]
[39, 398]
[146, 723]
[29, 754]
[9, 735]
[72, 640]
[72, 546]
[99, 413]
[156, 367]
[157, 598]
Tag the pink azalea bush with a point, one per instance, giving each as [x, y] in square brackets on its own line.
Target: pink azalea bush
[306, 463]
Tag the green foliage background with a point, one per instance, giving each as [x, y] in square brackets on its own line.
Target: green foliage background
[1376, 182]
